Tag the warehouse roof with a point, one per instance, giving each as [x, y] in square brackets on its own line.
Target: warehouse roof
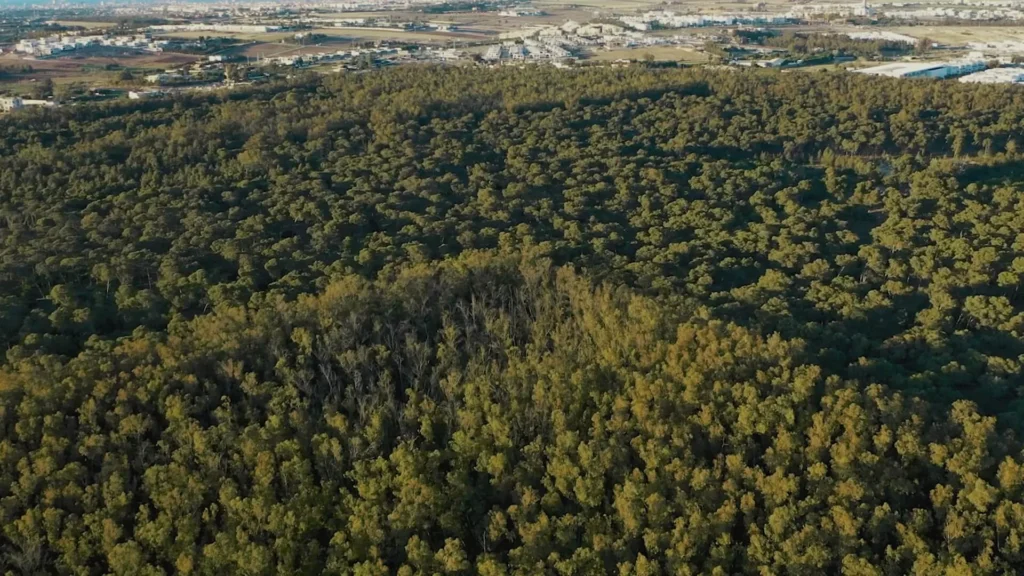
[995, 75]
[901, 68]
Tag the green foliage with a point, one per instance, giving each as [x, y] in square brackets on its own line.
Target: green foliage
[479, 417]
[453, 321]
[803, 43]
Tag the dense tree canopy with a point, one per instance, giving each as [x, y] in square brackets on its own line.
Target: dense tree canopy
[810, 43]
[452, 321]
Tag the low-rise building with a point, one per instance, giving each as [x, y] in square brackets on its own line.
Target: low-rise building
[995, 76]
[8, 104]
[927, 69]
[883, 35]
[53, 45]
[16, 103]
[668, 19]
[164, 77]
[493, 53]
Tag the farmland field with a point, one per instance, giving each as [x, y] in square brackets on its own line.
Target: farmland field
[72, 61]
[85, 24]
[258, 36]
[90, 70]
[963, 34]
[363, 34]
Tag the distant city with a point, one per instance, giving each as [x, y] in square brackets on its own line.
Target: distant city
[66, 53]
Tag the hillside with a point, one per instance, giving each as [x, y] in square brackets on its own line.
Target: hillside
[441, 320]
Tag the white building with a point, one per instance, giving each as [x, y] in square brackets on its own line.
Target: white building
[15, 103]
[807, 10]
[8, 104]
[882, 35]
[163, 77]
[493, 53]
[995, 76]
[927, 69]
[519, 12]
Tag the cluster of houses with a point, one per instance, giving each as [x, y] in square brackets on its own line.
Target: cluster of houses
[328, 57]
[806, 12]
[559, 42]
[52, 45]
[956, 13]
[572, 34]
[668, 19]
[531, 49]
[817, 11]
[900, 11]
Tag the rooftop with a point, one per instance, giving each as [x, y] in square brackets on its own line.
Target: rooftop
[901, 68]
[995, 76]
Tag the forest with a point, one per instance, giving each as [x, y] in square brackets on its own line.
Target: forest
[818, 43]
[444, 320]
